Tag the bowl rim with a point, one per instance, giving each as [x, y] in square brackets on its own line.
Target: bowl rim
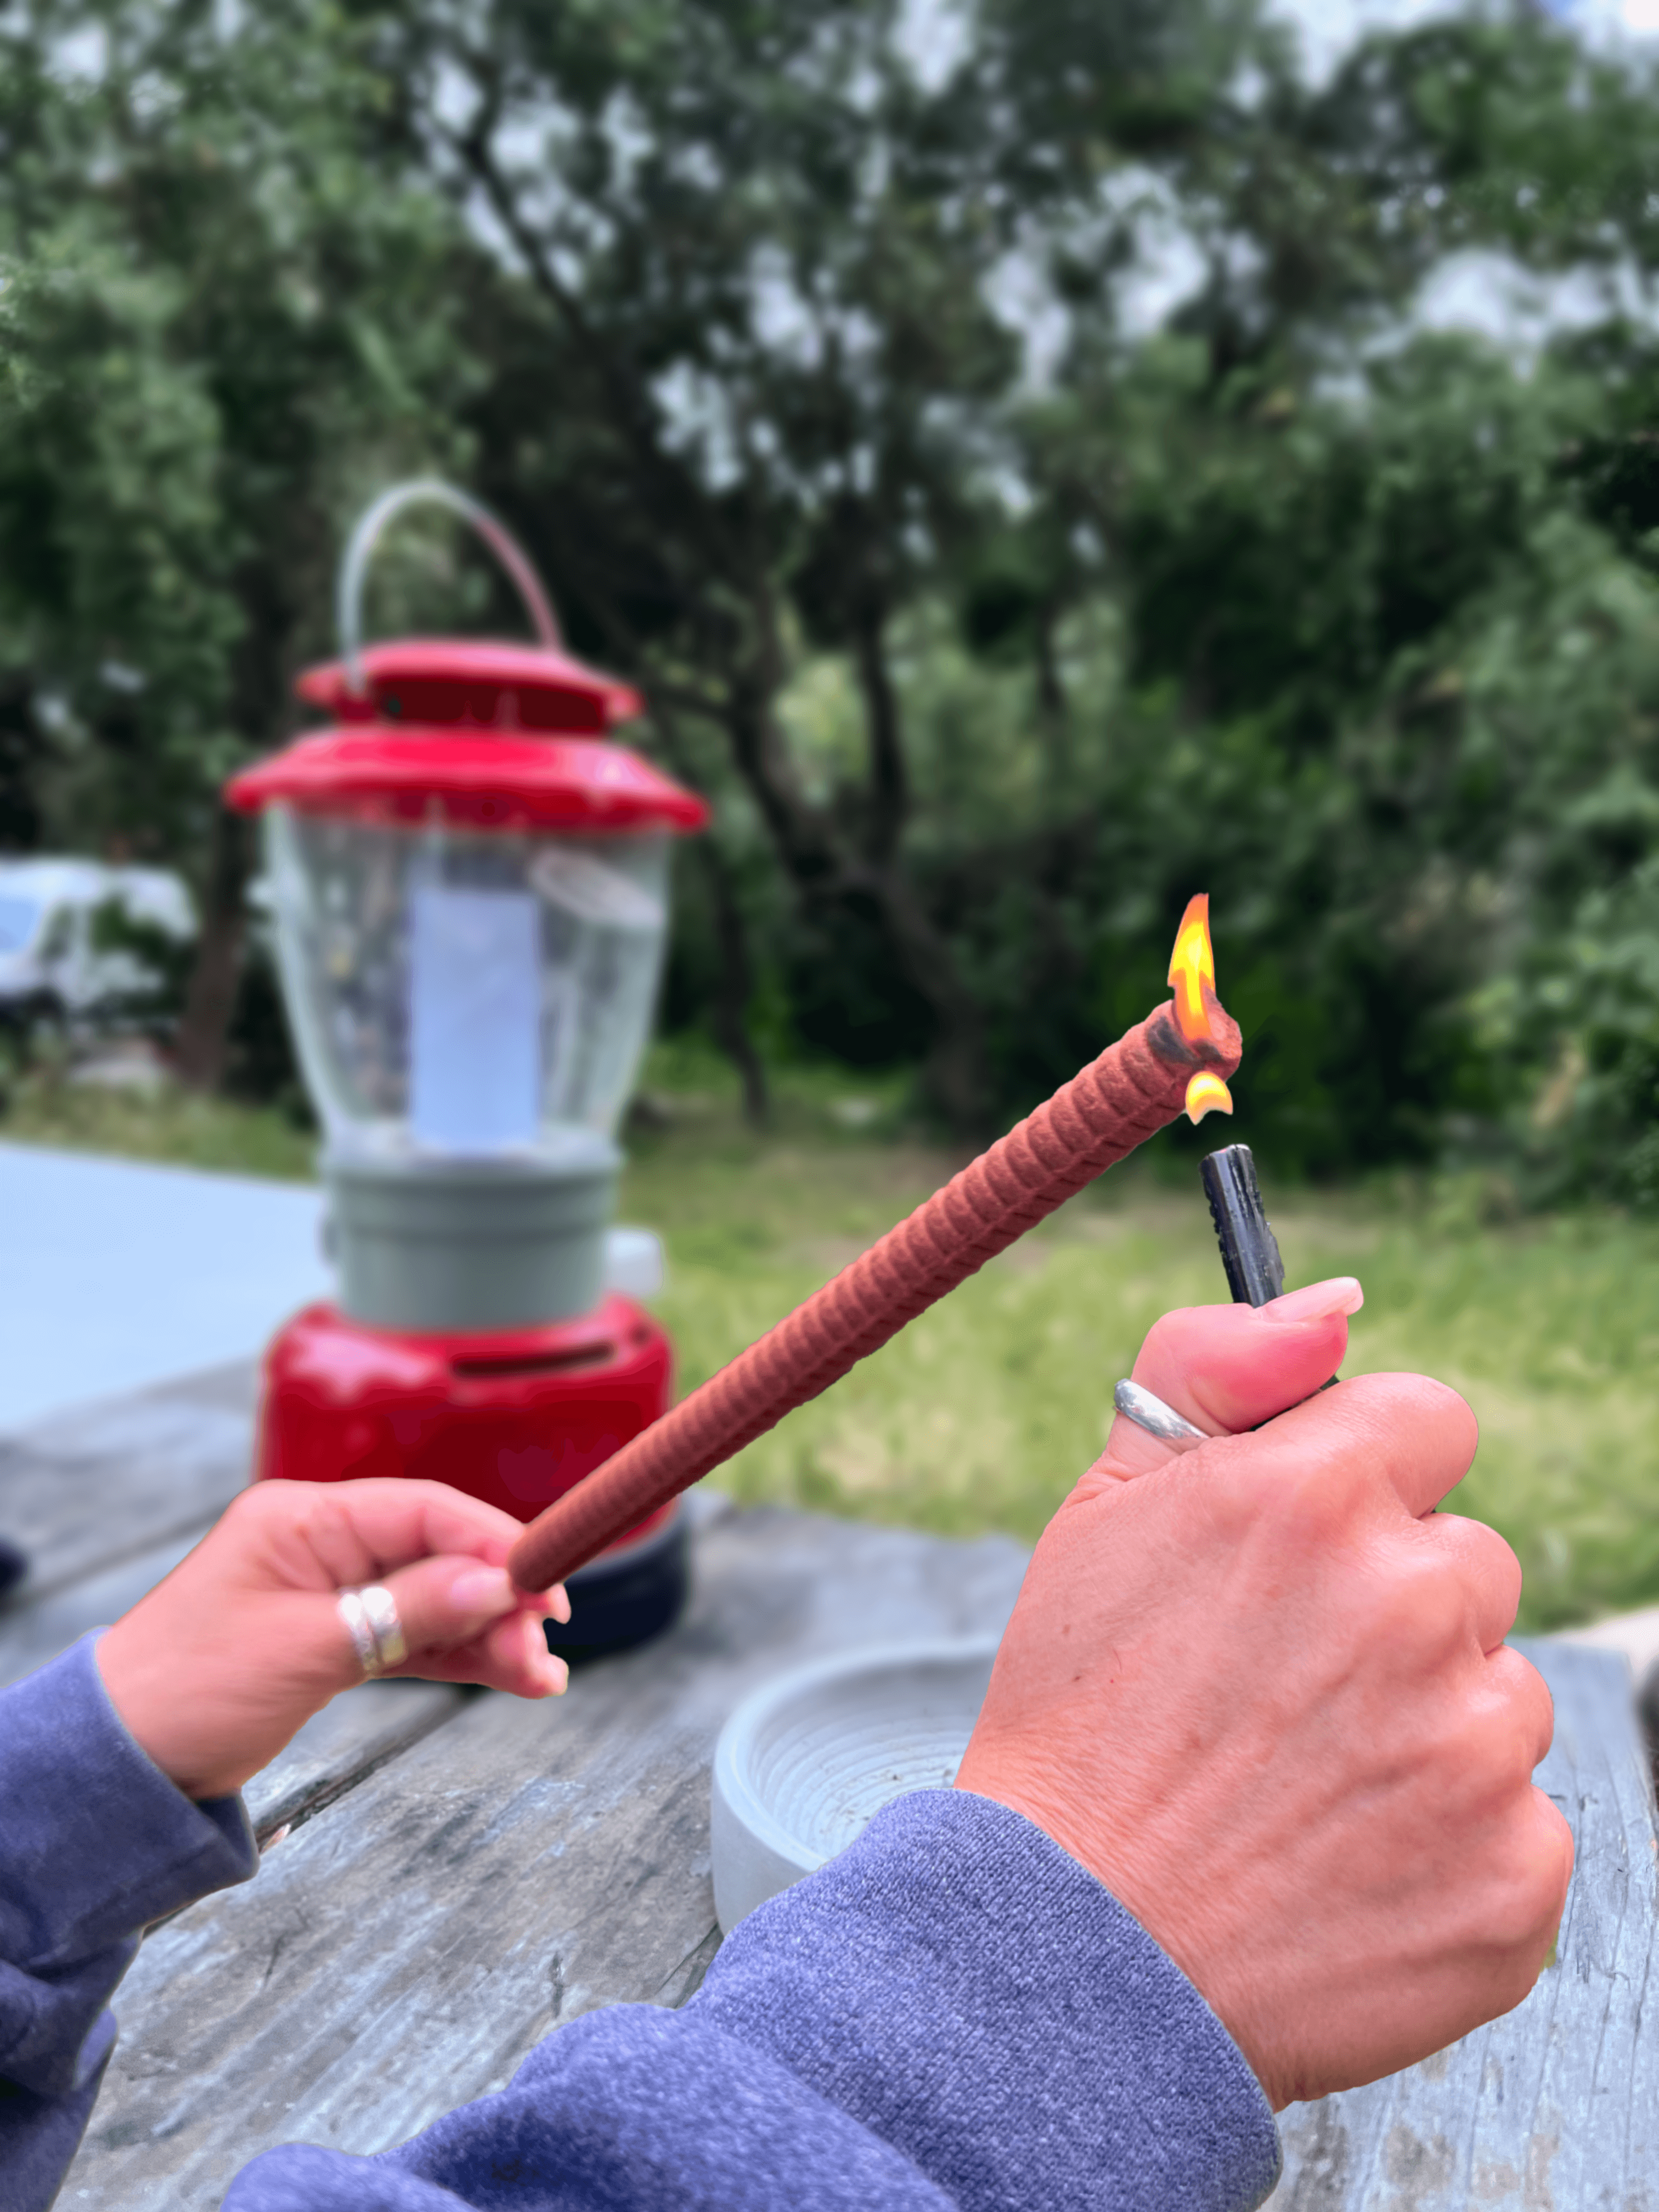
[735, 1745]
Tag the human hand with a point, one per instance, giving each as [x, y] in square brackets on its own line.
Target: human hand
[214, 1671]
[1261, 1691]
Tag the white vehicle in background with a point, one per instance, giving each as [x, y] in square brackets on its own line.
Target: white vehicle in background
[72, 937]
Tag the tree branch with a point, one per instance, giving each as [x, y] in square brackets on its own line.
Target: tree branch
[890, 787]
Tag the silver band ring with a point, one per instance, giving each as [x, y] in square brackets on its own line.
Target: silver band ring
[1148, 1412]
[370, 1615]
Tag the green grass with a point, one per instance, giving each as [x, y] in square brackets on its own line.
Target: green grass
[175, 1127]
[982, 1413]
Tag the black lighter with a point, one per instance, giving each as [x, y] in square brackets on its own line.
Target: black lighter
[1249, 1250]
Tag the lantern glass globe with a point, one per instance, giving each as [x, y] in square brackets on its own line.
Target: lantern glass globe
[466, 992]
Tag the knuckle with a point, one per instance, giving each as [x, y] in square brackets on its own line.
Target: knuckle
[1514, 1863]
[1510, 1719]
[1420, 1605]
[251, 1506]
[1238, 1497]
[1531, 1705]
[1526, 1885]
[1486, 1750]
[1488, 1553]
[1499, 1755]
[1327, 1501]
[1432, 1405]
[1303, 1504]
[1495, 1554]
[1483, 1558]
[1170, 1333]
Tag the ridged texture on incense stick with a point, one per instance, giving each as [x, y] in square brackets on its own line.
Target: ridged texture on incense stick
[1136, 1086]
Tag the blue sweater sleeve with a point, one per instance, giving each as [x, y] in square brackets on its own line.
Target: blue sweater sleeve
[94, 1843]
[952, 2013]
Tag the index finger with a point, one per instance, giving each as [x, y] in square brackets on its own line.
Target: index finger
[357, 1531]
[1408, 1431]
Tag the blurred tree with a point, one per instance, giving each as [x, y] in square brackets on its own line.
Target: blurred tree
[217, 328]
[766, 243]
[1386, 683]
[1003, 443]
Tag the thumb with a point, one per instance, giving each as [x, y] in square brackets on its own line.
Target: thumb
[1230, 1368]
[450, 1600]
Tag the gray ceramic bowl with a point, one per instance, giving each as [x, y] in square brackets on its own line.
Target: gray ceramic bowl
[803, 1765]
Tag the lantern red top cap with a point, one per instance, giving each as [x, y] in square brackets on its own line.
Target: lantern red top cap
[472, 682]
[498, 737]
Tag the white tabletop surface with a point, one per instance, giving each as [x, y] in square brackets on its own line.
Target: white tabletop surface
[116, 1274]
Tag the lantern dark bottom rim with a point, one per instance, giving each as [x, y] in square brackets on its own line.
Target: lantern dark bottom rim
[627, 1598]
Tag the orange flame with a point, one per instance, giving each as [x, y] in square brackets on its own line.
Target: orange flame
[1192, 965]
[1207, 1094]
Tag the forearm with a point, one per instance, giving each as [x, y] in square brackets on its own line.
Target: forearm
[976, 1999]
[94, 1843]
[953, 2013]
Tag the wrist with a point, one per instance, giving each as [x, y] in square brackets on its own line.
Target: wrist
[1154, 1904]
[153, 1711]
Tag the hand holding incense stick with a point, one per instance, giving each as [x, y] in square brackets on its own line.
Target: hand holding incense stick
[1179, 1057]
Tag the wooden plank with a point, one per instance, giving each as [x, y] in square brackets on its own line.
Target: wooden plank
[38, 1628]
[403, 1950]
[91, 1489]
[342, 1746]
[1556, 2107]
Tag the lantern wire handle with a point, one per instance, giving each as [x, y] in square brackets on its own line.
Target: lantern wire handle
[494, 533]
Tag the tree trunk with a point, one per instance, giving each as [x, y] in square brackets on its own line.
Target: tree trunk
[737, 983]
[1053, 715]
[823, 873]
[890, 783]
[802, 833]
[953, 1071]
[210, 999]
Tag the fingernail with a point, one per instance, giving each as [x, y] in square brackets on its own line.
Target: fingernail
[1343, 1294]
[482, 1589]
[558, 1602]
[558, 1677]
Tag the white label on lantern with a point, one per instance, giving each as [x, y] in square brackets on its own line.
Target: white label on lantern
[474, 1019]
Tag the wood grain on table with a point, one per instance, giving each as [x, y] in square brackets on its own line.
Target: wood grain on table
[89, 1490]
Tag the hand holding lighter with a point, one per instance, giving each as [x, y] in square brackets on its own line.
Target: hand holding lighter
[1255, 1273]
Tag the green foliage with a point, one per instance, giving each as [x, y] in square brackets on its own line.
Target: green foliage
[806, 364]
[211, 336]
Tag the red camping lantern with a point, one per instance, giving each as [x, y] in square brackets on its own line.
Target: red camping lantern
[469, 881]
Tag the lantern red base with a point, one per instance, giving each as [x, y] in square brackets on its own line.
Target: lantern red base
[515, 1417]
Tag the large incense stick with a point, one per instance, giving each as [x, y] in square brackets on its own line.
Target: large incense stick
[1180, 1056]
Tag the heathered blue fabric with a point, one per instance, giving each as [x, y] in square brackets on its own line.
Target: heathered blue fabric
[961, 1985]
[94, 1843]
[952, 2013]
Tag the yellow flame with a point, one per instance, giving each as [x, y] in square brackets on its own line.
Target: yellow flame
[1192, 965]
[1207, 1094]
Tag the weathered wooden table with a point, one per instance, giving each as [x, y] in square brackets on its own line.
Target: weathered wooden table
[450, 1874]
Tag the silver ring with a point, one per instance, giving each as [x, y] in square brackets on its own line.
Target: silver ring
[370, 1615]
[1149, 1412]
